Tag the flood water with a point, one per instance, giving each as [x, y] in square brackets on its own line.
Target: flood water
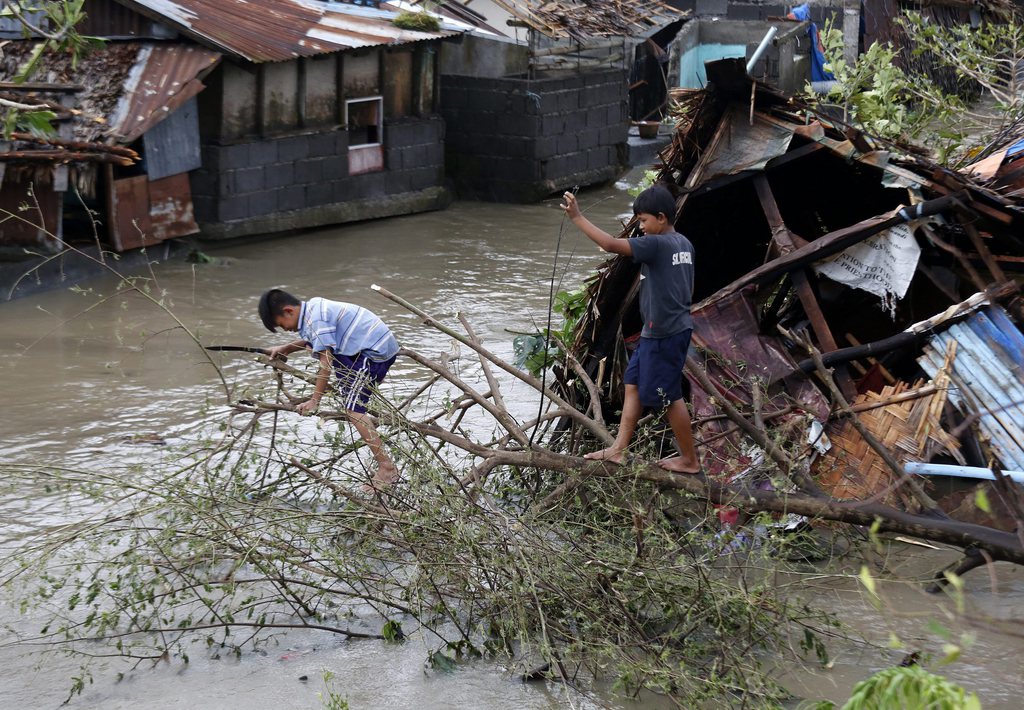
[80, 375]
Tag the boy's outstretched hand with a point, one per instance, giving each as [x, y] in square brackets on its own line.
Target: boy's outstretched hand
[571, 207]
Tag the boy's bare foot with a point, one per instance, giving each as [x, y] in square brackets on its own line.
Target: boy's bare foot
[678, 465]
[384, 478]
[610, 454]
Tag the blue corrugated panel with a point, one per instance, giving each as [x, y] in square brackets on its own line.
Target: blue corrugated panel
[988, 378]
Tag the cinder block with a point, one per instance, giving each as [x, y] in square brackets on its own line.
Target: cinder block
[234, 157]
[708, 8]
[279, 175]
[588, 139]
[370, 185]
[575, 121]
[232, 208]
[263, 202]
[422, 178]
[291, 197]
[309, 171]
[335, 167]
[552, 125]
[246, 180]
[745, 12]
[545, 147]
[320, 193]
[398, 181]
[567, 143]
[322, 144]
[292, 148]
[263, 153]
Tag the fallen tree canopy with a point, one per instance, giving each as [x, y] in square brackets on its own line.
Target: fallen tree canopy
[502, 542]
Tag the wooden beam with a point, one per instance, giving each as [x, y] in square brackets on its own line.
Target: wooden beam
[831, 243]
[783, 241]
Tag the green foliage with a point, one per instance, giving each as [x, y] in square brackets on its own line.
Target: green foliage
[910, 688]
[535, 352]
[417, 21]
[331, 699]
[878, 93]
[56, 33]
[645, 182]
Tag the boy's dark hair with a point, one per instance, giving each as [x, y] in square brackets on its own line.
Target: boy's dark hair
[272, 304]
[656, 200]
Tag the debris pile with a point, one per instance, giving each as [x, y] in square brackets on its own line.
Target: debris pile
[844, 286]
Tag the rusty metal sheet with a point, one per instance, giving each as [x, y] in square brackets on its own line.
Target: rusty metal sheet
[278, 30]
[170, 208]
[130, 226]
[163, 78]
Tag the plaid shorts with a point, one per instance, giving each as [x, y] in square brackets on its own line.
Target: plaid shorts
[357, 376]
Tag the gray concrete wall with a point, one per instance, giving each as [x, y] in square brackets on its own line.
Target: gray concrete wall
[482, 56]
[301, 181]
[514, 140]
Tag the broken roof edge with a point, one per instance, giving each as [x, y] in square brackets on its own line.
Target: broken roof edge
[318, 38]
[659, 16]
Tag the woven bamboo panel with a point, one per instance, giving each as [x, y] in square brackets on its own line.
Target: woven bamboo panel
[853, 470]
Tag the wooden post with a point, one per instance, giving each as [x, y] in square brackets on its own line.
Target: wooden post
[784, 242]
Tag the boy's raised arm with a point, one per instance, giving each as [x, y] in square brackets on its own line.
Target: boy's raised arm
[597, 235]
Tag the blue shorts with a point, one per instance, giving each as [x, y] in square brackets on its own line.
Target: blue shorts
[656, 368]
[357, 376]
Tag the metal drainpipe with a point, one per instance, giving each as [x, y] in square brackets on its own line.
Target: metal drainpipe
[769, 36]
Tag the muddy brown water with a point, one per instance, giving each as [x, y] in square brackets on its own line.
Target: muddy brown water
[86, 384]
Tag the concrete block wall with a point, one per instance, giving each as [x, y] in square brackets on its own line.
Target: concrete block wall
[301, 181]
[519, 140]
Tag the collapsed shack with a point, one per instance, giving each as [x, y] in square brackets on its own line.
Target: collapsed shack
[857, 305]
[117, 170]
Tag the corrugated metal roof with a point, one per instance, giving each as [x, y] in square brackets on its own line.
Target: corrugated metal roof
[164, 77]
[584, 19]
[277, 30]
[988, 378]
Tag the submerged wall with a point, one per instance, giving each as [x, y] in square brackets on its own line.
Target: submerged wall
[520, 140]
[300, 181]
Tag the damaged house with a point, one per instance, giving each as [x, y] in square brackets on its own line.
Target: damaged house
[851, 298]
[243, 120]
[542, 102]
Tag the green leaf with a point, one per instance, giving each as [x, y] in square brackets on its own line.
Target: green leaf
[981, 500]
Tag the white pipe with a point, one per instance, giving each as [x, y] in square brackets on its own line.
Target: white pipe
[772, 31]
[941, 469]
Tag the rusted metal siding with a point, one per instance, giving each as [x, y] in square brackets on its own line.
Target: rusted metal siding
[278, 30]
[170, 208]
[398, 78]
[128, 213]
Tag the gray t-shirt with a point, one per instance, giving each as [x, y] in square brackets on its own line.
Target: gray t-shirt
[666, 267]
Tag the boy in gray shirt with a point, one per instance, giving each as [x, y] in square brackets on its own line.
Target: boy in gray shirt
[654, 373]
